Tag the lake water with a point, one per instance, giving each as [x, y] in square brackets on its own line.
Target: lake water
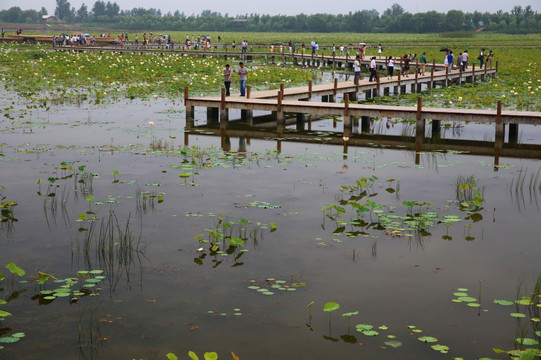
[156, 203]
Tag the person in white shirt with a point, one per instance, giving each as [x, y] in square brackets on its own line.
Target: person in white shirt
[464, 60]
[373, 73]
[357, 69]
[390, 67]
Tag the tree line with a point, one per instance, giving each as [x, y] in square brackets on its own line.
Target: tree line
[520, 20]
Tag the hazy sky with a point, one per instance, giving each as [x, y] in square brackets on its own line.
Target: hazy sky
[286, 7]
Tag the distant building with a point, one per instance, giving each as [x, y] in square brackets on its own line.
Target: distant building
[49, 19]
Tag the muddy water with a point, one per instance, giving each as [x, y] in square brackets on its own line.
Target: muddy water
[165, 294]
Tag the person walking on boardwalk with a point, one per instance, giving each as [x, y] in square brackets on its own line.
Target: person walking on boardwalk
[450, 58]
[357, 69]
[373, 73]
[481, 58]
[406, 67]
[390, 67]
[464, 60]
[243, 73]
[422, 60]
[227, 79]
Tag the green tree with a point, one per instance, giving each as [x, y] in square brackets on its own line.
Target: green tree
[63, 10]
[98, 9]
[454, 20]
[82, 14]
[395, 10]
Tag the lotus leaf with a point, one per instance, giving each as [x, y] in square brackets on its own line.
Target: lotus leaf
[428, 339]
[363, 327]
[503, 302]
[526, 341]
[331, 306]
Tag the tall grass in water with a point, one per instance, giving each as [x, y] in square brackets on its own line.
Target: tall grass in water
[112, 247]
[518, 187]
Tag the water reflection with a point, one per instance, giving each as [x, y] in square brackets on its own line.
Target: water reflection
[369, 135]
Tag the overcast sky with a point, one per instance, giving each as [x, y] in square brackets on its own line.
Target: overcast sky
[286, 7]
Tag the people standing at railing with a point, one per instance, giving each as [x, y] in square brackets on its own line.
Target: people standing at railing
[490, 56]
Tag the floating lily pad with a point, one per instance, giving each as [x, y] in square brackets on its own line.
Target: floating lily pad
[525, 301]
[526, 341]
[467, 298]
[459, 294]
[363, 327]
[503, 302]
[473, 304]
[517, 315]
[428, 339]
[393, 343]
[441, 348]
[9, 339]
[62, 294]
[370, 333]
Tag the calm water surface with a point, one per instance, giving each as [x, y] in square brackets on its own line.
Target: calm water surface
[164, 295]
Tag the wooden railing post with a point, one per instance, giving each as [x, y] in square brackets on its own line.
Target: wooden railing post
[432, 73]
[310, 90]
[248, 91]
[186, 93]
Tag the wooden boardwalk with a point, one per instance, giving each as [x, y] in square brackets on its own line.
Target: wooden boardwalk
[298, 58]
[286, 100]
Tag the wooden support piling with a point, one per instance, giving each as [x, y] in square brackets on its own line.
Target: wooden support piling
[189, 108]
[420, 125]
[347, 117]
[224, 112]
[416, 79]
